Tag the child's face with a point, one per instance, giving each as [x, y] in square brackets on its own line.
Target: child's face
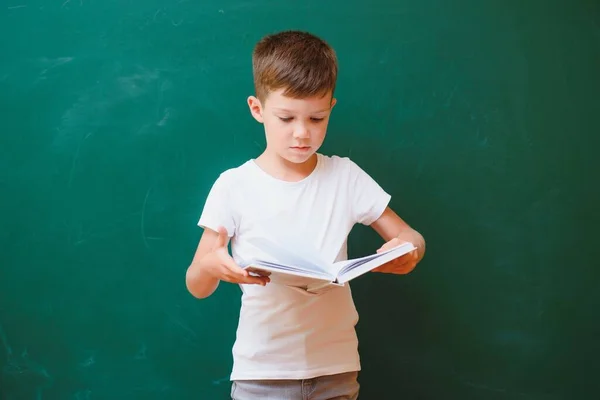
[295, 128]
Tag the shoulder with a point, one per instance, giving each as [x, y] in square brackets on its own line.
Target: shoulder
[230, 181]
[345, 170]
[236, 174]
[340, 165]
[335, 161]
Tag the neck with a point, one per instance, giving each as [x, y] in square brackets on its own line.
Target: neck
[285, 170]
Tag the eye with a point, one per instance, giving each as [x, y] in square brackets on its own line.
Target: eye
[317, 119]
[286, 119]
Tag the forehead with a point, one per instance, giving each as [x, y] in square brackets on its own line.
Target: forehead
[277, 101]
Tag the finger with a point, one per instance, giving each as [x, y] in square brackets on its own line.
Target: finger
[225, 259]
[257, 280]
[231, 276]
[400, 260]
[391, 244]
[259, 272]
[409, 267]
[222, 238]
[387, 246]
[251, 279]
[398, 266]
[242, 275]
[232, 268]
[384, 247]
[383, 268]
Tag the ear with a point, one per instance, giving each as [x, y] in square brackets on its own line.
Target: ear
[333, 101]
[255, 108]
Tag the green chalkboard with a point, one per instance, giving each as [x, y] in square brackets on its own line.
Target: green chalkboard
[481, 118]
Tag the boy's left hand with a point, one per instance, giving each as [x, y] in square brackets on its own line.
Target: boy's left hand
[400, 265]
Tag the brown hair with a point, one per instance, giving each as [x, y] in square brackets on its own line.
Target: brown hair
[300, 62]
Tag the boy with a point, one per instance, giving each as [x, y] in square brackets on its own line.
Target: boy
[291, 345]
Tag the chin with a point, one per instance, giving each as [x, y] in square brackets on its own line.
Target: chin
[299, 158]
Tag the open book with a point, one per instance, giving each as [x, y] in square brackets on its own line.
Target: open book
[317, 278]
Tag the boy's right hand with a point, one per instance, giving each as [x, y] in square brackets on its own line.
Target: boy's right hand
[222, 266]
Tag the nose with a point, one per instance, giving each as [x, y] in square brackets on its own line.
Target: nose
[301, 131]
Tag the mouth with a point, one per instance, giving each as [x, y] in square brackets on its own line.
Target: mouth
[300, 148]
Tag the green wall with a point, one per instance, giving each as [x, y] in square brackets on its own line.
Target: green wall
[481, 118]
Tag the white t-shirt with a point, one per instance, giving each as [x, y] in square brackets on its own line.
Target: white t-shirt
[283, 333]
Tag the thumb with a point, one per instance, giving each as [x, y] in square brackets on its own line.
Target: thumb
[222, 239]
[389, 245]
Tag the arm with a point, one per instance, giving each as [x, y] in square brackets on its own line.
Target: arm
[199, 283]
[212, 263]
[395, 232]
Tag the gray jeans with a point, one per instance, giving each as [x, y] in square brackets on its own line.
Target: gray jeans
[329, 387]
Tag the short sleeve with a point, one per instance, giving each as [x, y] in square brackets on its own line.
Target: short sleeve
[368, 199]
[217, 209]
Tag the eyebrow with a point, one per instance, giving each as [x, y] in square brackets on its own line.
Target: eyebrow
[290, 111]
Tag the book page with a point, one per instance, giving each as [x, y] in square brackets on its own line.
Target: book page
[341, 266]
[288, 276]
[352, 268]
[287, 256]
